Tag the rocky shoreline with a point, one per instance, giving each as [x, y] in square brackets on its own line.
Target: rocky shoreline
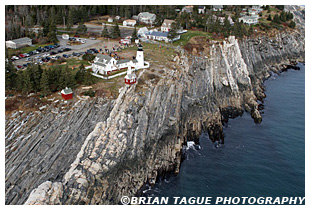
[145, 131]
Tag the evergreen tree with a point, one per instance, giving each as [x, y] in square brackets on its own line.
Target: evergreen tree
[44, 83]
[134, 35]
[81, 28]
[88, 77]
[115, 31]
[69, 20]
[269, 17]
[10, 75]
[276, 19]
[292, 24]
[27, 84]
[105, 32]
[79, 77]
[172, 34]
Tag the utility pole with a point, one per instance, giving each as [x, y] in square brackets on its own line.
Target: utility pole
[64, 22]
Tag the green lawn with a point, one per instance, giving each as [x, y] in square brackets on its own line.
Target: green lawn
[188, 35]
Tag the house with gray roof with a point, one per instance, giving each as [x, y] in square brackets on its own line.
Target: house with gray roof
[160, 36]
[249, 20]
[17, 43]
[146, 17]
[217, 8]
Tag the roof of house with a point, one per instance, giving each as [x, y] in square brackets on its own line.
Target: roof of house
[100, 64]
[217, 6]
[157, 33]
[201, 7]
[146, 14]
[130, 20]
[102, 58]
[130, 76]
[123, 61]
[21, 40]
[66, 91]
[246, 18]
[168, 22]
[143, 30]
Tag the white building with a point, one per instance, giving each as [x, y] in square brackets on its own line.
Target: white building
[110, 20]
[249, 20]
[146, 17]
[65, 36]
[160, 36]
[129, 22]
[201, 9]
[17, 43]
[105, 65]
[217, 8]
[142, 32]
[167, 25]
[187, 9]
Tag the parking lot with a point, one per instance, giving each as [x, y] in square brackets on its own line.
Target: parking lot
[65, 51]
[63, 45]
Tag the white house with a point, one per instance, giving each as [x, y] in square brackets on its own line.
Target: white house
[142, 32]
[201, 9]
[17, 43]
[160, 36]
[217, 8]
[249, 20]
[105, 64]
[146, 17]
[167, 25]
[110, 20]
[129, 22]
[187, 9]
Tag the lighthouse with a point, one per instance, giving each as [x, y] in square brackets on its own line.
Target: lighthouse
[140, 56]
[130, 77]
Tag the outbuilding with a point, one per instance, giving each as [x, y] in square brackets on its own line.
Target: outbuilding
[17, 43]
[130, 77]
[66, 93]
[65, 36]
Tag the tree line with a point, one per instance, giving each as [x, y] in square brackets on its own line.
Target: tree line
[45, 81]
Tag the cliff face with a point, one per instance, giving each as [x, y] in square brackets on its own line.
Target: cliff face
[148, 125]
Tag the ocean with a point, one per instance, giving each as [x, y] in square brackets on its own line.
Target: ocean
[257, 160]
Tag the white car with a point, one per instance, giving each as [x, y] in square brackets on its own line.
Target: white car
[82, 41]
[46, 55]
[15, 57]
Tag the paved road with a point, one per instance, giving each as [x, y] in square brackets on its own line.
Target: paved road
[125, 31]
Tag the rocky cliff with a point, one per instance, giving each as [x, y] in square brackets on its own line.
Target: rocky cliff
[150, 122]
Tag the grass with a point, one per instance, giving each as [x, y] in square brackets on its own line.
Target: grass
[184, 38]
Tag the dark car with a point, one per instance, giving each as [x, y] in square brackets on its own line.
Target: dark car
[57, 57]
[56, 45]
[60, 51]
[25, 65]
[53, 53]
[65, 55]
[67, 49]
[48, 58]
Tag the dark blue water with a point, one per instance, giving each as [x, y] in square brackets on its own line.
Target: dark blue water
[266, 159]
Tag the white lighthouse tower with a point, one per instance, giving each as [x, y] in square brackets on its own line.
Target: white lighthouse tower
[140, 56]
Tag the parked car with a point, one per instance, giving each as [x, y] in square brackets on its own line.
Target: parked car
[67, 49]
[92, 38]
[76, 36]
[15, 57]
[28, 59]
[26, 54]
[25, 65]
[60, 51]
[19, 66]
[21, 56]
[53, 53]
[65, 55]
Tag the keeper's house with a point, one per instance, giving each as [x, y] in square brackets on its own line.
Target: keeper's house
[17, 43]
[105, 65]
